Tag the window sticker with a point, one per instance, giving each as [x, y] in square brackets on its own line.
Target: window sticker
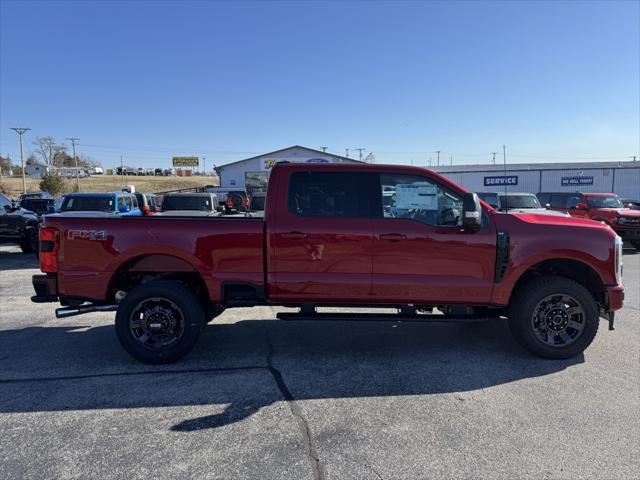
[421, 195]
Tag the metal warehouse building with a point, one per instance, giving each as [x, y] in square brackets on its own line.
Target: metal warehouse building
[234, 174]
[622, 178]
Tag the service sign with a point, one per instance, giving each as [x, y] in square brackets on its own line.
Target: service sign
[185, 161]
[571, 181]
[501, 181]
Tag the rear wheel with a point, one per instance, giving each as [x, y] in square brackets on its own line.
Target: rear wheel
[159, 322]
[553, 317]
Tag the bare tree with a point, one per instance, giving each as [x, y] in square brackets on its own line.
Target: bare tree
[47, 149]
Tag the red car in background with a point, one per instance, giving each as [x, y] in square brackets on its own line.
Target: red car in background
[603, 207]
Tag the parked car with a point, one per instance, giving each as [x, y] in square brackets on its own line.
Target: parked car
[18, 225]
[147, 202]
[602, 207]
[189, 204]
[99, 204]
[141, 171]
[158, 171]
[325, 240]
[518, 203]
[39, 206]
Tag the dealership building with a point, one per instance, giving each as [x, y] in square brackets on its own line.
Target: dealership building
[257, 168]
[622, 178]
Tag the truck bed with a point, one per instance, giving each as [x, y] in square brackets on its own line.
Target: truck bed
[93, 250]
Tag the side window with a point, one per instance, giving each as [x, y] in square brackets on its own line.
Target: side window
[419, 198]
[329, 194]
[134, 201]
[558, 201]
[126, 200]
[543, 198]
[572, 201]
[4, 201]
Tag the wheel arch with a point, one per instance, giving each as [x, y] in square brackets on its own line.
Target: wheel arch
[576, 270]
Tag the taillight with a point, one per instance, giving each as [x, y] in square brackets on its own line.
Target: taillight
[49, 250]
[245, 201]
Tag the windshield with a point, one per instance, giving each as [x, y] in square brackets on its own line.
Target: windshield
[519, 201]
[187, 203]
[88, 204]
[37, 204]
[604, 202]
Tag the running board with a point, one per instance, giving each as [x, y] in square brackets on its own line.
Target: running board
[377, 317]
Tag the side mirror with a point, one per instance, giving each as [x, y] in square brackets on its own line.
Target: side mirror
[51, 209]
[581, 206]
[8, 208]
[471, 212]
[547, 206]
[124, 209]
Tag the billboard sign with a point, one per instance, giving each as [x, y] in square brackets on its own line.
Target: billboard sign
[575, 181]
[185, 161]
[501, 181]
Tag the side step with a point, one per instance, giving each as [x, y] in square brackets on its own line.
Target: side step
[377, 317]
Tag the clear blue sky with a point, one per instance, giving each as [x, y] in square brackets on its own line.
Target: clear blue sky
[553, 81]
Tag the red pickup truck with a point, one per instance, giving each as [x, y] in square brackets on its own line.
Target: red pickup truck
[338, 235]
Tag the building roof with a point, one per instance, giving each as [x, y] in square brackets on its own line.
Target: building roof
[498, 167]
[318, 152]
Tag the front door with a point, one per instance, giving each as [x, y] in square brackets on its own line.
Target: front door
[320, 247]
[421, 254]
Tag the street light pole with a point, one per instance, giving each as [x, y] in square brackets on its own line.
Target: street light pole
[20, 131]
[73, 141]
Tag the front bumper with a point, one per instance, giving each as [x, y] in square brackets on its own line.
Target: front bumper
[628, 233]
[615, 297]
[46, 287]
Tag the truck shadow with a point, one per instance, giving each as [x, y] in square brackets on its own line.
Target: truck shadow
[14, 259]
[237, 369]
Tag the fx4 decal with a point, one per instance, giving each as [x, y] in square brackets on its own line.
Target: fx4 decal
[87, 234]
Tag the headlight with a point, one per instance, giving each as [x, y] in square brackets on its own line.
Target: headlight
[618, 259]
[622, 220]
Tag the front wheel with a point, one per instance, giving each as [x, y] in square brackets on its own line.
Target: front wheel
[28, 242]
[159, 322]
[553, 317]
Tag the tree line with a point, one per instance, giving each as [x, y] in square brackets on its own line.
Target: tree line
[48, 152]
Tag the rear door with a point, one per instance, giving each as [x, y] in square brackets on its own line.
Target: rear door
[321, 241]
[421, 254]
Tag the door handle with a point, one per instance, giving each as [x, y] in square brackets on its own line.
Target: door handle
[294, 235]
[394, 237]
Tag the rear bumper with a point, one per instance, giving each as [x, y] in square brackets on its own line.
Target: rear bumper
[615, 297]
[46, 288]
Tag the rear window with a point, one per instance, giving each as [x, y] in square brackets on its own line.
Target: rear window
[88, 204]
[37, 204]
[329, 194]
[187, 203]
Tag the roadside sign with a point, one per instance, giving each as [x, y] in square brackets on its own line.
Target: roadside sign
[185, 161]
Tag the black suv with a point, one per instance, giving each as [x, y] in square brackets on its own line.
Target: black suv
[18, 225]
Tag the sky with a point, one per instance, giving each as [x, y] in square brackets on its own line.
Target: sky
[553, 81]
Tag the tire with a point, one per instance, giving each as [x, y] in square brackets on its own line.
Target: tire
[28, 243]
[160, 310]
[543, 318]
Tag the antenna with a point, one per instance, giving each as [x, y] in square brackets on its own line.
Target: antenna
[494, 157]
[504, 180]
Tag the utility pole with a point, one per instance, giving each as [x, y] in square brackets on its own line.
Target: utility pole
[504, 161]
[451, 160]
[121, 169]
[20, 131]
[204, 163]
[324, 149]
[347, 155]
[360, 150]
[73, 141]
[438, 152]
[494, 157]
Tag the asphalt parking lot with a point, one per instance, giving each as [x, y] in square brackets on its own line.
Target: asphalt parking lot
[269, 399]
